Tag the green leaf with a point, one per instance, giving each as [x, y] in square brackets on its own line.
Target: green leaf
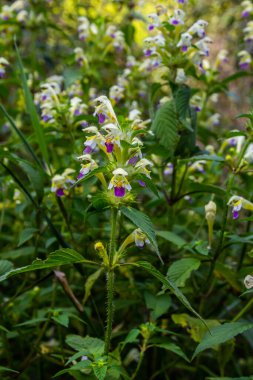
[26, 235]
[143, 222]
[169, 285]
[159, 304]
[84, 364]
[182, 98]
[193, 325]
[62, 318]
[173, 348]
[39, 132]
[181, 270]
[172, 237]
[93, 346]
[165, 126]
[221, 334]
[203, 157]
[5, 267]
[100, 371]
[90, 282]
[131, 337]
[5, 369]
[63, 256]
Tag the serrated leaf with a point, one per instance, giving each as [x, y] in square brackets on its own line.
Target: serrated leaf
[144, 223]
[221, 334]
[93, 346]
[182, 98]
[169, 285]
[62, 256]
[165, 126]
[26, 235]
[181, 270]
[100, 371]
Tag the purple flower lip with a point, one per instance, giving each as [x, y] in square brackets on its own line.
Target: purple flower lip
[80, 176]
[184, 48]
[87, 150]
[175, 22]
[133, 160]
[46, 118]
[235, 214]
[109, 147]
[119, 191]
[150, 27]
[148, 53]
[142, 183]
[197, 108]
[44, 97]
[101, 118]
[244, 66]
[60, 192]
[245, 14]
[1, 74]
[77, 112]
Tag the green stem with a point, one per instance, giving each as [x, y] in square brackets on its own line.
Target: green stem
[143, 350]
[110, 282]
[244, 310]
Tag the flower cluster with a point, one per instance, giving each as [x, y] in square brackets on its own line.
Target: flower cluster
[170, 30]
[120, 145]
[57, 104]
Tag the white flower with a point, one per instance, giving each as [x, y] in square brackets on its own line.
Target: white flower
[119, 182]
[202, 46]
[198, 28]
[178, 17]
[185, 41]
[140, 238]
[141, 167]
[238, 203]
[105, 108]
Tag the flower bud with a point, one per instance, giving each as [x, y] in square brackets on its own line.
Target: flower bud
[102, 253]
[248, 282]
[210, 211]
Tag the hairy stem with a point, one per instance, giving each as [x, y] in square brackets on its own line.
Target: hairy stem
[110, 282]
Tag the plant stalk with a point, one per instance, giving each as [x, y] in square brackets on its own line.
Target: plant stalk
[110, 282]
